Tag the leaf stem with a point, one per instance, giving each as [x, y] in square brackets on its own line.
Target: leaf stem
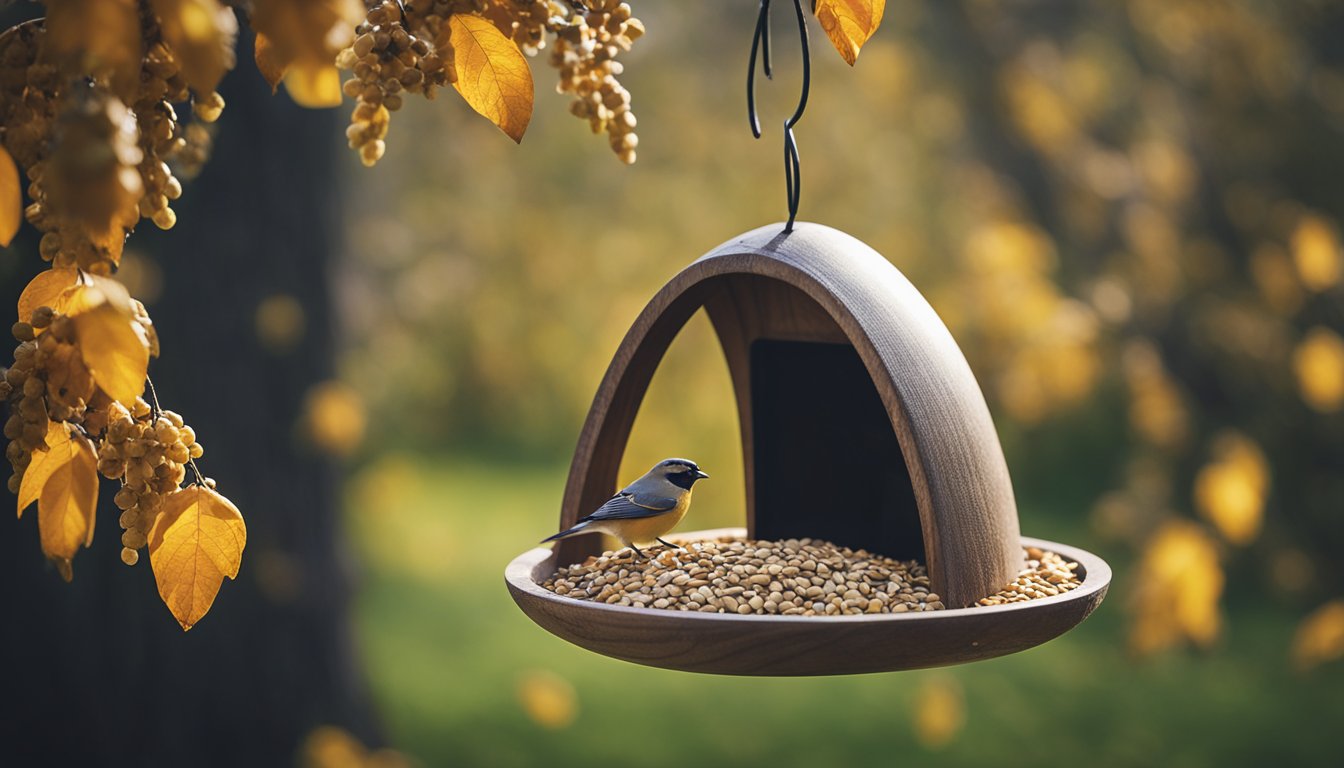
[195, 470]
[157, 411]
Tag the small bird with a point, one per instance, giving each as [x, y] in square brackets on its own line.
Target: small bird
[645, 509]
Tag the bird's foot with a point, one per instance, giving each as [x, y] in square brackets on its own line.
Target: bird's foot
[669, 544]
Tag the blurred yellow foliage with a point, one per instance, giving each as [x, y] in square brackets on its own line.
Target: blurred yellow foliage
[1318, 363]
[1156, 409]
[1040, 111]
[1177, 587]
[940, 712]
[1041, 342]
[1155, 265]
[334, 417]
[1166, 169]
[1276, 278]
[328, 746]
[1230, 490]
[548, 699]
[1317, 252]
[1320, 637]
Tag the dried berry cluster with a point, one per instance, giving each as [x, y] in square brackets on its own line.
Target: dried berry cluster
[407, 48]
[26, 427]
[145, 448]
[586, 48]
[393, 51]
[149, 454]
[96, 163]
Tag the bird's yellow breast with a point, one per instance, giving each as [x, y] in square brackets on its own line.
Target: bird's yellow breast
[644, 530]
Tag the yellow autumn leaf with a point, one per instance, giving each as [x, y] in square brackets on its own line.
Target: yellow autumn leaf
[114, 352]
[46, 290]
[547, 699]
[492, 74]
[1178, 585]
[1230, 490]
[849, 23]
[1318, 364]
[202, 34]
[11, 198]
[940, 712]
[64, 481]
[92, 292]
[196, 541]
[35, 477]
[314, 87]
[1320, 637]
[101, 37]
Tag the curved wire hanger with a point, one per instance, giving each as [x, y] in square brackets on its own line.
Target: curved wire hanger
[760, 44]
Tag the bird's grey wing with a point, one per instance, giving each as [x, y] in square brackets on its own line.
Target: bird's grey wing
[630, 506]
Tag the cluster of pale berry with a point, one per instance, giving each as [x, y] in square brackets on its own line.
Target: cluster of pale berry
[23, 388]
[147, 449]
[405, 48]
[149, 452]
[395, 51]
[95, 164]
[586, 47]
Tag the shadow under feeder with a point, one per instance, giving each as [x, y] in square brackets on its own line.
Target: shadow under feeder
[862, 424]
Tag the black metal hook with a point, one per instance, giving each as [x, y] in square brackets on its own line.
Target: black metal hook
[760, 44]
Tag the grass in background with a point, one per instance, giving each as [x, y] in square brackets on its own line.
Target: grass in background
[462, 677]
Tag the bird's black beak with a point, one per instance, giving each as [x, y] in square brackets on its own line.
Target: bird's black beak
[699, 475]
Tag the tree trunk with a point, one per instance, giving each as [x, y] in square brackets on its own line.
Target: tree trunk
[100, 673]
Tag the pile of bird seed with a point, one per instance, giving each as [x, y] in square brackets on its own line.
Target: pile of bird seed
[1045, 574]
[792, 577]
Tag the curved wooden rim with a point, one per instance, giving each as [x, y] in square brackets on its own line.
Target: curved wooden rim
[967, 510]
[526, 572]
[729, 643]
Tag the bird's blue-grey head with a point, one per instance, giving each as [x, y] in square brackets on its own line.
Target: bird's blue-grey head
[680, 472]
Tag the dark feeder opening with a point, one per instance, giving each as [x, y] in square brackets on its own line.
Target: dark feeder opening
[862, 424]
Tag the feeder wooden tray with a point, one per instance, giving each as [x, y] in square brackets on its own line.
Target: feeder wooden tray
[861, 424]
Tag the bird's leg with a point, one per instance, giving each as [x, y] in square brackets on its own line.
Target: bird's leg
[669, 544]
[639, 555]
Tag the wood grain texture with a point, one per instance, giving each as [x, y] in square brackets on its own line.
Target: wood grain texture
[822, 286]
[732, 644]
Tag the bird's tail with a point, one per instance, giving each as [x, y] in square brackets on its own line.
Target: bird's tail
[580, 528]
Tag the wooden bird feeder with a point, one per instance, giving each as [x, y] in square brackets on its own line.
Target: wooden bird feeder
[861, 424]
